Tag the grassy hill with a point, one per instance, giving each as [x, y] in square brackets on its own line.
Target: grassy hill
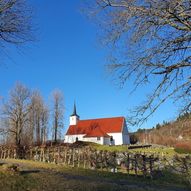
[175, 133]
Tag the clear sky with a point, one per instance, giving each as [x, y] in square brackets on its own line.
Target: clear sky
[68, 56]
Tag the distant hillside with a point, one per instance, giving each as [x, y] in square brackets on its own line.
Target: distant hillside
[169, 133]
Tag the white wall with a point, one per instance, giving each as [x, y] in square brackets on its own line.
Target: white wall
[94, 140]
[107, 141]
[117, 138]
[125, 136]
[74, 120]
[126, 139]
[102, 141]
[120, 138]
[72, 138]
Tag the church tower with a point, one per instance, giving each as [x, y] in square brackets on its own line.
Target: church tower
[74, 118]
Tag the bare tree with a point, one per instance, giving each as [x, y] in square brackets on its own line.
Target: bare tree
[150, 43]
[3, 135]
[44, 121]
[38, 118]
[16, 24]
[58, 111]
[15, 112]
[36, 105]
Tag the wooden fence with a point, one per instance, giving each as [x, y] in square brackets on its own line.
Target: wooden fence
[87, 158]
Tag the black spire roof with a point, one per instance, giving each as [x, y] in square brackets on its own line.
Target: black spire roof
[74, 111]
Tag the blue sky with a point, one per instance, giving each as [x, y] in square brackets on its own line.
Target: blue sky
[67, 56]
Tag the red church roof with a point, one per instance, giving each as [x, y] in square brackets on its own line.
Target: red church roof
[97, 127]
[97, 132]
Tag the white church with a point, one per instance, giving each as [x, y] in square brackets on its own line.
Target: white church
[104, 131]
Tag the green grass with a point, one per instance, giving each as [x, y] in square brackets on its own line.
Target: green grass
[169, 151]
[109, 148]
[59, 178]
[183, 150]
[165, 151]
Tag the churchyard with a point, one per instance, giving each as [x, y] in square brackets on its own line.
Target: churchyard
[93, 168]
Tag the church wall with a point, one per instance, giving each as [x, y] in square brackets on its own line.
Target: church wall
[125, 136]
[94, 140]
[74, 120]
[107, 141]
[126, 139]
[117, 138]
[72, 138]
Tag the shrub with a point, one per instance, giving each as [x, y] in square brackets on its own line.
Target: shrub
[133, 139]
[183, 147]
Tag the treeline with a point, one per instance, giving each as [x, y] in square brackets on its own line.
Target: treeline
[26, 119]
[181, 118]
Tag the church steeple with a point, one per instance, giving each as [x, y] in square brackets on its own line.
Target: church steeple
[74, 111]
[74, 118]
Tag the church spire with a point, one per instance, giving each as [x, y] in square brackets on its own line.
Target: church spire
[74, 110]
[74, 118]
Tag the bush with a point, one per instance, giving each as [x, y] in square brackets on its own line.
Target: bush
[183, 147]
[133, 139]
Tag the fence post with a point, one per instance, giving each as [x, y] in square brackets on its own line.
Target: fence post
[151, 161]
[144, 168]
[135, 164]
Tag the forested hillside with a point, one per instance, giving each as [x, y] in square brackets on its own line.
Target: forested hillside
[175, 133]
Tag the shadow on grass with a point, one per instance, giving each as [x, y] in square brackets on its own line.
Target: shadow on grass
[23, 172]
[2, 163]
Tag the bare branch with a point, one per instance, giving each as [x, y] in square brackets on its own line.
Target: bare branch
[150, 40]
